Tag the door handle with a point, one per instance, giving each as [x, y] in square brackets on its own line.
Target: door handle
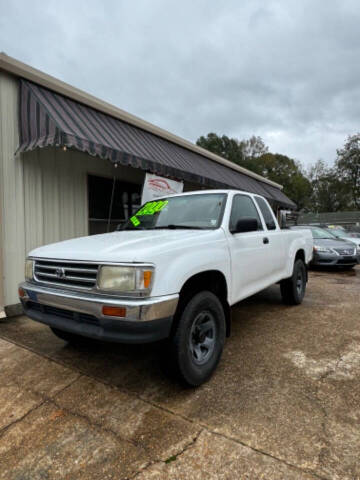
[265, 240]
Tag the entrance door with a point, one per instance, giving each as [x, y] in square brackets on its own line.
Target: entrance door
[126, 200]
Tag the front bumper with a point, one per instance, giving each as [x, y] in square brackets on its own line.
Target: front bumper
[328, 259]
[147, 319]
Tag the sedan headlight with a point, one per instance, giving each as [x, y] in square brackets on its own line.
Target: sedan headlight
[324, 250]
[126, 279]
[29, 269]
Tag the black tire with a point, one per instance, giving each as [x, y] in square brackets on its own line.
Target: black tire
[72, 338]
[293, 288]
[198, 339]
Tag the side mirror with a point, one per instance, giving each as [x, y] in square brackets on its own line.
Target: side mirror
[247, 224]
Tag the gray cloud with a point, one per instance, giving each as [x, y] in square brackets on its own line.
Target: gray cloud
[285, 70]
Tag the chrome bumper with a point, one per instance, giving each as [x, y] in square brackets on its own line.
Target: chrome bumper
[137, 310]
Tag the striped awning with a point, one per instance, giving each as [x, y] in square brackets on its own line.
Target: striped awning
[51, 119]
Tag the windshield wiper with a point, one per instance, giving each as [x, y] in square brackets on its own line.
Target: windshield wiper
[163, 227]
[134, 229]
[185, 227]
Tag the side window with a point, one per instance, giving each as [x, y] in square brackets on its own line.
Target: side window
[266, 213]
[243, 207]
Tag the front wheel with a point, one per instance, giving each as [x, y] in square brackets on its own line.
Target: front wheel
[198, 340]
[293, 288]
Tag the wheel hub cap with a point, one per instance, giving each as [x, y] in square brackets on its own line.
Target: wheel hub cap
[202, 337]
[299, 283]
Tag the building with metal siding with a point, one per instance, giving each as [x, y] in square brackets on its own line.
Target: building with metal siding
[11, 190]
[44, 192]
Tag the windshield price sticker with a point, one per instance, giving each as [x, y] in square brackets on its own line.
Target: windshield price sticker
[134, 221]
[149, 209]
[152, 207]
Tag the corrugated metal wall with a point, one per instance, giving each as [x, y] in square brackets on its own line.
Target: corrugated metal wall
[2, 303]
[43, 193]
[12, 194]
[55, 193]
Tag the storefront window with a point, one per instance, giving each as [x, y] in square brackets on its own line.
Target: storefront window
[126, 200]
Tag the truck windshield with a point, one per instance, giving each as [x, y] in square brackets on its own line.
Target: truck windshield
[203, 211]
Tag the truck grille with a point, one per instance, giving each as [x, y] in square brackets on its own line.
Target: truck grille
[68, 274]
[345, 251]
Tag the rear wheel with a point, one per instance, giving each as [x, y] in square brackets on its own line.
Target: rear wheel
[198, 340]
[293, 288]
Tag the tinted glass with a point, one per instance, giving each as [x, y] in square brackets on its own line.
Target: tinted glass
[266, 213]
[338, 233]
[243, 207]
[320, 233]
[316, 232]
[186, 211]
[126, 199]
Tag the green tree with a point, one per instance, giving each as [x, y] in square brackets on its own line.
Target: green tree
[253, 154]
[348, 168]
[287, 172]
[224, 146]
[253, 148]
[329, 193]
[241, 152]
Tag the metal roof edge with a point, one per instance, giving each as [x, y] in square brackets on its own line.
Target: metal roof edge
[20, 69]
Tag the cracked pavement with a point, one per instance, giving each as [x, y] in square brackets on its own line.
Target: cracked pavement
[283, 404]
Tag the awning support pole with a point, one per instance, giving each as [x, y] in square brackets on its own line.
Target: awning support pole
[111, 204]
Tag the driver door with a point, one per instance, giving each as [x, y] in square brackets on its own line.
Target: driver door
[248, 251]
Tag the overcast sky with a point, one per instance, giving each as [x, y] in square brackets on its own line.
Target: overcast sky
[288, 71]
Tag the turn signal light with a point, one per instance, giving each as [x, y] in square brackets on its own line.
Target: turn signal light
[114, 311]
[22, 293]
[147, 278]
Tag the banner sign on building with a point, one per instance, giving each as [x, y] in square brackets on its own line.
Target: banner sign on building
[155, 187]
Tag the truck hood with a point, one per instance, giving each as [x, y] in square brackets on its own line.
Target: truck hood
[127, 246]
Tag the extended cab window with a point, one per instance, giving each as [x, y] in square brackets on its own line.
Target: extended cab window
[243, 207]
[266, 213]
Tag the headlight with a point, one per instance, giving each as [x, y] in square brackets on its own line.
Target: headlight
[29, 269]
[324, 250]
[126, 279]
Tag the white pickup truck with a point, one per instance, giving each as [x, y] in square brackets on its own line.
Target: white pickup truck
[172, 272]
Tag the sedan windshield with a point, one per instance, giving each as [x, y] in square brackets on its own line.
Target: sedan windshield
[321, 233]
[203, 211]
[338, 233]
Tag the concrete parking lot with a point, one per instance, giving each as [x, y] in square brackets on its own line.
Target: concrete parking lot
[283, 404]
